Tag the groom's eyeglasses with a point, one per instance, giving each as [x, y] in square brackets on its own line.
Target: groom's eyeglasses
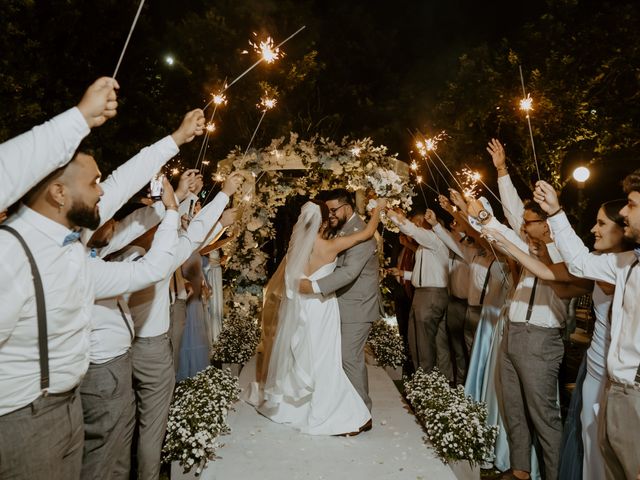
[333, 211]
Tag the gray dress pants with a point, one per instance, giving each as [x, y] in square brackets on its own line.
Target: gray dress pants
[109, 409]
[354, 337]
[428, 311]
[43, 440]
[153, 382]
[619, 431]
[529, 364]
[178, 316]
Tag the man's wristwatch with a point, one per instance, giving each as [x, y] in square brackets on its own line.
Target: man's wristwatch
[483, 216]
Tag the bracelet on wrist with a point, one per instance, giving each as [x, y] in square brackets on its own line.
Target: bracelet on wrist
[555, 213]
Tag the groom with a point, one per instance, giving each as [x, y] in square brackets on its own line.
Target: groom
[355, 283]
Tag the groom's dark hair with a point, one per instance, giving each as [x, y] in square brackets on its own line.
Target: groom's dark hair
[341, 194]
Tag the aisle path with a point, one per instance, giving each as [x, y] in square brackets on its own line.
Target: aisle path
[260, 449]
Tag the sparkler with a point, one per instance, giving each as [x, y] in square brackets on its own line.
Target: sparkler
[266, 104]
[470, 181]
[126, 43]
[266, 49]
[478, 177]
[526, 105]
[219, 100]
[419, 180]
[268, 54]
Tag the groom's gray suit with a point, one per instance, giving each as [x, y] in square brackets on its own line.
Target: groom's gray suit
[355, 283]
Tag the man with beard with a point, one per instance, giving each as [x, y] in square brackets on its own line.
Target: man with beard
[355, 283]
[619, 416]
[45, 319]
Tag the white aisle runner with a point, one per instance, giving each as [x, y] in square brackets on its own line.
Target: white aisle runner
[260, 449]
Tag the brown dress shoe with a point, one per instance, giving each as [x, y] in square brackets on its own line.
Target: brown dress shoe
[364, 428]
[367, 426]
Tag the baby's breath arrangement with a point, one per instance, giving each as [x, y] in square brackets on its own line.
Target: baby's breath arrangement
[240, 333]
[386, 344]
[456, 425]
[197, 417]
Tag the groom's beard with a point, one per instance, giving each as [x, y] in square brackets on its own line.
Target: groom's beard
[339, 224]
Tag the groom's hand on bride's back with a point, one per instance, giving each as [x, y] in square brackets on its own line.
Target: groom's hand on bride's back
[305, 286]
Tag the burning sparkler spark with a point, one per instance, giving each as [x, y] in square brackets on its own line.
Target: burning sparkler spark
[211, 127]
[266, 49]
[266, 103]
[526, 104]
[219, 99]
[218, 178]
[419, 179]
[414, 166]
[470, 181]
[175, 171]
[430, 144]
[355, 151]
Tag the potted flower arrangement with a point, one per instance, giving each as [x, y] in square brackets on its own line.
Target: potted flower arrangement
[198, 417]
[387, 347]
[240, 333]
[456, 425]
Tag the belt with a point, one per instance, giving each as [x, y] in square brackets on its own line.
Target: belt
[68, 393]
[625, 386]
[458, 299]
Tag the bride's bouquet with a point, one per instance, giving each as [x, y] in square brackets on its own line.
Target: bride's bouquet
[197, 417]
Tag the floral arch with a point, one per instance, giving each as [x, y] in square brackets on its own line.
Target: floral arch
[358, 165]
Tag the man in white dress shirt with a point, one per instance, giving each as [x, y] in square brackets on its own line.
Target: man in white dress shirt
[532, 347]
[619, 415]
[108, 401]
[151, 351]
[42, 362]
[31, 156]
[478, 262]
[430, 277]
[44, 337]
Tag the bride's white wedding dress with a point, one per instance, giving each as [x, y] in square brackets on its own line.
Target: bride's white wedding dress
[313, 394]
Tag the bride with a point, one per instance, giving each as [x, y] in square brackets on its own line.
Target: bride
[306, 386]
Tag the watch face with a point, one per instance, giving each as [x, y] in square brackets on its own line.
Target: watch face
[483, 214]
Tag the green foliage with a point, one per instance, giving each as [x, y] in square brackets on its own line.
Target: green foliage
[582, 73]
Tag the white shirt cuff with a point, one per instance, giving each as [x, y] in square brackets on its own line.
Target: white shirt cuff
[315, 287]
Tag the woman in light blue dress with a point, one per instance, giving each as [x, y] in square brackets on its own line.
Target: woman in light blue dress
[194, 349]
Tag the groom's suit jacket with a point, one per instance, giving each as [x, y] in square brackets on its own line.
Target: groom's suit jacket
[355, 279]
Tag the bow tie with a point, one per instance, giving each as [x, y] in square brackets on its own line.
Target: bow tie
[637, 252]
[72, 237]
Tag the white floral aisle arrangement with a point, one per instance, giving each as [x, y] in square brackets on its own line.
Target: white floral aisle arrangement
[198, 417]
[456, 425]
[240, 333]
[386, 344]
